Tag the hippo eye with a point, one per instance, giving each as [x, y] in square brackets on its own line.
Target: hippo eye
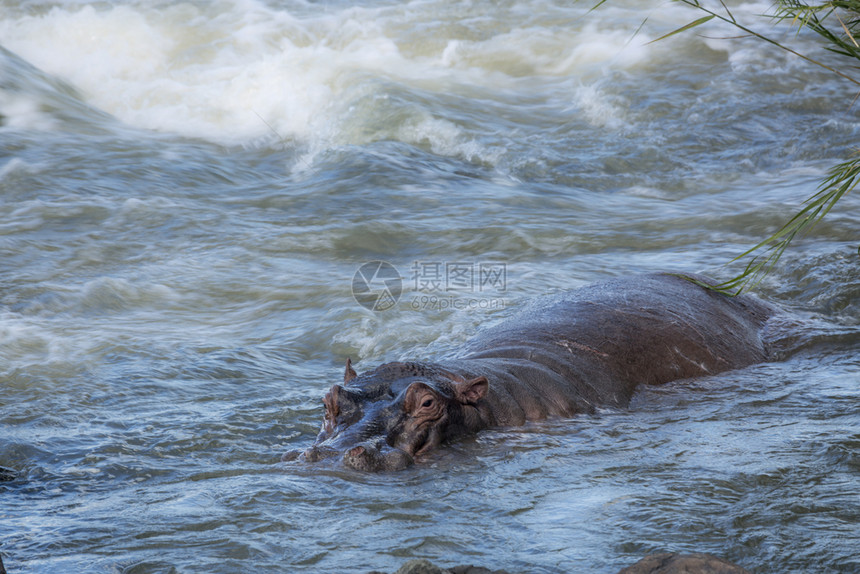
[427, 403]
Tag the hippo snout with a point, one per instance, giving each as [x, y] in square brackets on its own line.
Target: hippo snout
[312, 454]
[318, 453]
[369, 458]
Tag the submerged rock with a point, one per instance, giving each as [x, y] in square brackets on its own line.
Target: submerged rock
[474, 570]
[419, 567]
[673, 563]
[661, 563]
[427, 567]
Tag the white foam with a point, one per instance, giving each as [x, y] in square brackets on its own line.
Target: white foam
[235, 71]
[28, 341]
[110, 293]
[180, 70]
[17, 166]
[597, 109]
[21, 112]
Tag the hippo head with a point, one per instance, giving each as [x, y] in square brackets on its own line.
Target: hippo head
[386, 418]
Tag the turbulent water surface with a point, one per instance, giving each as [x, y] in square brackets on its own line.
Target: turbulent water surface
[188, 188]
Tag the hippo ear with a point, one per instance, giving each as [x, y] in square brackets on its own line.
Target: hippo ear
[471, 391]
[350, 373]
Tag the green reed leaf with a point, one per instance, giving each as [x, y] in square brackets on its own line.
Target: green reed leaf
[686, 27]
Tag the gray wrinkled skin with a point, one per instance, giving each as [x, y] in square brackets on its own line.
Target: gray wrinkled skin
[562, 355]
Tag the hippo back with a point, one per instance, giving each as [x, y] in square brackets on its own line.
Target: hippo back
[594, 345]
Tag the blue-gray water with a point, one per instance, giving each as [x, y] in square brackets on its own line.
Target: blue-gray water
[187, 189]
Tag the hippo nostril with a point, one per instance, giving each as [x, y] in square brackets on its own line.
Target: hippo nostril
[291, 455]
[314, 454]
[366, 457]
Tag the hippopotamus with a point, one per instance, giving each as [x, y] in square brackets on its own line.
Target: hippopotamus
[564, 354]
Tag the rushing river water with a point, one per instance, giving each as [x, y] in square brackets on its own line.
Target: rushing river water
[189, 188]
